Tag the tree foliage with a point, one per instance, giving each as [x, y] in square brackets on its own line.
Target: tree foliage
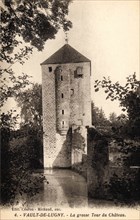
[20, 154]
[128, 96]
[26, 25]
[33, 21]
[30, 102]
[118, 123]
[98, 116]
[12, 85]
[124, 186]
[22, 150]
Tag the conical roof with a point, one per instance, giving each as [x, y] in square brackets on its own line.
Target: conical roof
[66, 54]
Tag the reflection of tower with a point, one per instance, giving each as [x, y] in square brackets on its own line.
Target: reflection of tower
[66, 102]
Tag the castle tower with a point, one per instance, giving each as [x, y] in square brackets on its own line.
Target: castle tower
[66, 103]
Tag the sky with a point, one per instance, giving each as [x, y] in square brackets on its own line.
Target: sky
[106, 32]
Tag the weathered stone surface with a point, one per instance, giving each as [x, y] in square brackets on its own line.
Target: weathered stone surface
[66, 104]
[98, 161]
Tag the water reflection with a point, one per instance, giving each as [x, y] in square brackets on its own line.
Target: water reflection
[62, 188]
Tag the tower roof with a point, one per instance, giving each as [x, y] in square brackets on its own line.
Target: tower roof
[66, 54]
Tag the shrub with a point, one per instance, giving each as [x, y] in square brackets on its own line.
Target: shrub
[124, 186]
[21, 153]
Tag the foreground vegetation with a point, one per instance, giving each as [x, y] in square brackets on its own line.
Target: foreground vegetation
[21, 153]
[123, 135]
[25, 25]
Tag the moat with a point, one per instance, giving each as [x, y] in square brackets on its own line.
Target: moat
[62, 188]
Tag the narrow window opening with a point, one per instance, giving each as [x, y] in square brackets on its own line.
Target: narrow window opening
[63, 124]
[62, 95]
[62, 112]
[50, 69]
[61, 78]
[72, 92]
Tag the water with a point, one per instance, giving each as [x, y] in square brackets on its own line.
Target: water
[62, 188]
[63, 191]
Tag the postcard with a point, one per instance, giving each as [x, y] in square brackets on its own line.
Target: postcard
[70, 95]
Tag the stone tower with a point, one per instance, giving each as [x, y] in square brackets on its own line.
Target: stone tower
[66, 103]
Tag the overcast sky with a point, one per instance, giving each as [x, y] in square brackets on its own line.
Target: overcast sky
[106, 32]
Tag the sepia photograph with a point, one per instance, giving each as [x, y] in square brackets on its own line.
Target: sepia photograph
[70, 109]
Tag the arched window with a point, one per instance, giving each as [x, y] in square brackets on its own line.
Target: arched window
[78, 73]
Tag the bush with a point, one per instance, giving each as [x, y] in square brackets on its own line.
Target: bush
[21, 153]
[124, 186]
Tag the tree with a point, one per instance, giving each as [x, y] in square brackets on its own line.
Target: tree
[118, 121]
[26, 25]
[112, 117]
[128, 96]
[12, 85]
[30, 102]
[98, 116]
[125, 135]
[22, 149]
[118, 124]
[33, 22]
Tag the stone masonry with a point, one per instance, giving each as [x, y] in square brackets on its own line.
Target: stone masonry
[66, 104]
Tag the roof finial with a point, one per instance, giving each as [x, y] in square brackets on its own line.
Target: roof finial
[66, 37]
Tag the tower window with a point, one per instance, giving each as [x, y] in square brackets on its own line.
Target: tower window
[50, 69]
[62, 112]
[63, 124]
[62, 95]
[72, 92]
[78, 73]
[61, 78]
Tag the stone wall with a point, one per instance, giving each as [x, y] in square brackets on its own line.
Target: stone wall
[80, 100]
[62, 83]
[79, 162]
[57, 147]
[104, 181]
[63, 151]
[98, 162]
[79, 150]
[49, 116]
[66, 103]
